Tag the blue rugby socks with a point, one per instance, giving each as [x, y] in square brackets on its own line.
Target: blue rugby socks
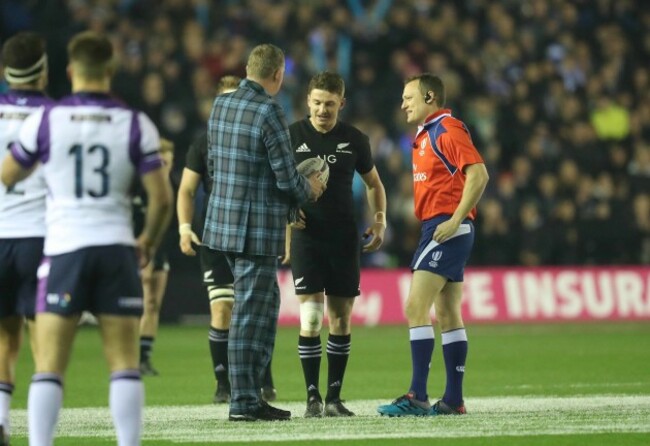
[422, 343]
[454, 349]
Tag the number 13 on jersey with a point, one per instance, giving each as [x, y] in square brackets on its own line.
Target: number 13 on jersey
[99, 157]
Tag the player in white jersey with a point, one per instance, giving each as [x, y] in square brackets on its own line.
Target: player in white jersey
[91, 147]
[22, 210]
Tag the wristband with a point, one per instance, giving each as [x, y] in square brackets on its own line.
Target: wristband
[185, 228]
[380, 217]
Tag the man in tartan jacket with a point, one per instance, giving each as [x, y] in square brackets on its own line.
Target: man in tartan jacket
[255, 183]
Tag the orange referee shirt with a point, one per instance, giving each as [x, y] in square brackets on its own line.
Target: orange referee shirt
[441, 150]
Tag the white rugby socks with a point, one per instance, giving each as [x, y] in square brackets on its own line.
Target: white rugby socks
[43, 406]
[126, 400]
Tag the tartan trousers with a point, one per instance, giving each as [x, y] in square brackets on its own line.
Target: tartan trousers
[253, 327]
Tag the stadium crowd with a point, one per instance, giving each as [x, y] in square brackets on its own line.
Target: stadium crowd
[556, 94]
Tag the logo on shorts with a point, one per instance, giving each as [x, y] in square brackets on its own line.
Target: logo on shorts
[435, 258]
[129, 302]
[298, 281]
[62, 300]
[207, 276]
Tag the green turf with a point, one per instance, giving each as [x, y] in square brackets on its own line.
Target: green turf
[546, 440]
[542, 440]
[541, 360]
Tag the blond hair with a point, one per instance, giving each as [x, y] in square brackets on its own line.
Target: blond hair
[264, 61]
[227, 83]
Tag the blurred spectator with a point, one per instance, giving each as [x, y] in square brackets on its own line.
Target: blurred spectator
[564, 229]
[640, 236]
[639, 169]
[495, 244]
[610, 120]
[533, 245]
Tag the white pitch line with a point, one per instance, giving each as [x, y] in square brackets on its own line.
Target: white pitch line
[501, 416]
[576, 386]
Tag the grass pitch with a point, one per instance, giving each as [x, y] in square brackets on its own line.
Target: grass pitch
[584, 384]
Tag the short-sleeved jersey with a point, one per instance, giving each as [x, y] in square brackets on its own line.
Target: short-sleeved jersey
[346, 150]
[91, 148]
[442, 149]
[22, 207]
[197, 161]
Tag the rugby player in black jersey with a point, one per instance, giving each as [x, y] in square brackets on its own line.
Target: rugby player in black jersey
[323, 245]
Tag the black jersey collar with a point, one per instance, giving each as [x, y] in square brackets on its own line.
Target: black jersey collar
[334, 129]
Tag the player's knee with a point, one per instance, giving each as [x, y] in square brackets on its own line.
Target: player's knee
[11, 331]
[146, 277]
[412, 309]
[221, 307]
[311, 316]
[220, 321]
[147, 282]
[340, 319]
[340, 325]
[151, 306]
[449, 320]
[9, 346]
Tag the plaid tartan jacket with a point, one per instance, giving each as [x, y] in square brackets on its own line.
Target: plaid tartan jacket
[254, 174]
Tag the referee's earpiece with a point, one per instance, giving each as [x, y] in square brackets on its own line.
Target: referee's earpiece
[428, 98]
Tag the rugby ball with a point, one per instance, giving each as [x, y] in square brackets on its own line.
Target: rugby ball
[315, 165]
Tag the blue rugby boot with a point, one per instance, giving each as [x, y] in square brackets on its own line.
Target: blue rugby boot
[406, 405]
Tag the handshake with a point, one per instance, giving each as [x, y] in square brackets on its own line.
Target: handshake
[317, 172]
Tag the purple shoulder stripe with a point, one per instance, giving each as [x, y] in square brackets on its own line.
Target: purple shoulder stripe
[150, 161]
[26, 98]
[98, 99]
[43, 138]
[27, 159]
[135, 135]
[23, 158]
[143, 162]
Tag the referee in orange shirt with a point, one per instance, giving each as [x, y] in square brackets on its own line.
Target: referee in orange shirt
[449, 177]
